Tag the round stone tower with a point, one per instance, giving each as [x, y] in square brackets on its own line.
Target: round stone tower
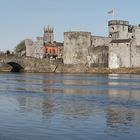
[76, 47]
[118, 29]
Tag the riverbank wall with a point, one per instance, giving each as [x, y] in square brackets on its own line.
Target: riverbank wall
[61, 68]
[34, 65]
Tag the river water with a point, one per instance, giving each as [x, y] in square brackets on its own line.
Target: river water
[69, 107]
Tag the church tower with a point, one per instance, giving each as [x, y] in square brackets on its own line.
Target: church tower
[48, 35]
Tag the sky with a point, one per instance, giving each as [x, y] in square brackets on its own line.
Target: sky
[22, 19]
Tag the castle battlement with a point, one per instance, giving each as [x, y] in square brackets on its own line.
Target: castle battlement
[77, 33]
[118, 22]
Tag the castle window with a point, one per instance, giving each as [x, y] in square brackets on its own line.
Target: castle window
[110, 35]
[113, 28]
[91, 42]
[130, 28]
[132, 36]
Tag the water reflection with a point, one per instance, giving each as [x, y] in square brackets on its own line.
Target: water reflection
[73, 105]
[47, 106]
[117, 117]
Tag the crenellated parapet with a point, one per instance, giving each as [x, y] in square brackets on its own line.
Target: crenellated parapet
[118, 22]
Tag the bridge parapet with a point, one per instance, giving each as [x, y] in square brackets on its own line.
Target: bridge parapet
[29, 64]
[5, 59]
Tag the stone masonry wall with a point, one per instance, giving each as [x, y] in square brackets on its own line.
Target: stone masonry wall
[135, 54]
[76, 47]
[34, 49]
[98, 56]
[100, 41]
[119, 55]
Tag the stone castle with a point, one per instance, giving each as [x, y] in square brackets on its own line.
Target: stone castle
[120, 49]
[44, 46]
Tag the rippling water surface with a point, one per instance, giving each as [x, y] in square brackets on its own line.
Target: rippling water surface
[69, 107]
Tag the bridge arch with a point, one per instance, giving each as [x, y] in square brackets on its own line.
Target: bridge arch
[15, 67]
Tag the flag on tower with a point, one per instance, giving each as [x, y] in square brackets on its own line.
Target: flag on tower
[110, 12]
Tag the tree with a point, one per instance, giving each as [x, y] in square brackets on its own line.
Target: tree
[20, 47]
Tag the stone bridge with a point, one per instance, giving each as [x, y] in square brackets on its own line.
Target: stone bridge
[17, 63]
[27, 64]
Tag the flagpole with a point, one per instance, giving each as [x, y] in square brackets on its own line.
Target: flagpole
[113, 14]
